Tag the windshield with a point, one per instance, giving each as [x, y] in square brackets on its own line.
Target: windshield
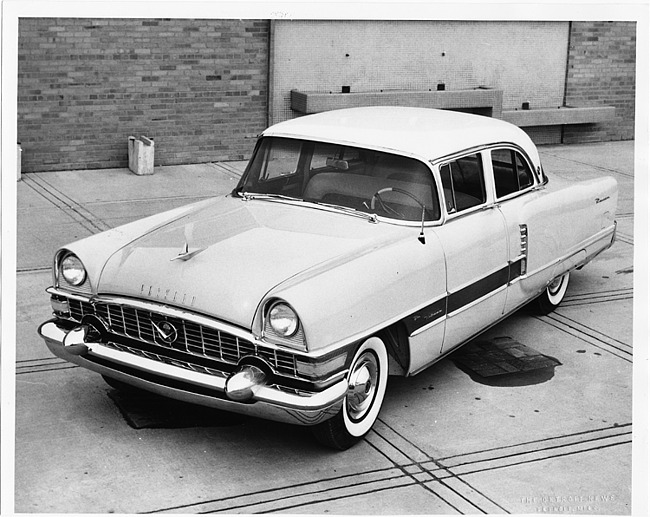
[369, 181]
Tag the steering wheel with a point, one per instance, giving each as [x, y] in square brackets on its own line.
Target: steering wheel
[377, 197]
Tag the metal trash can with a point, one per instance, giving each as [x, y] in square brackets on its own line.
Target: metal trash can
[141, 151]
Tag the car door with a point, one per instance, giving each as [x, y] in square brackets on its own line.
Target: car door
[531, 247]
[474, 241]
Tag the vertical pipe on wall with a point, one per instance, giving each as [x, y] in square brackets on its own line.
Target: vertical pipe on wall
[566, 77]
[269, 74]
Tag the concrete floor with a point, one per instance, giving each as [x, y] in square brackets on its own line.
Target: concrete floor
[445, 442]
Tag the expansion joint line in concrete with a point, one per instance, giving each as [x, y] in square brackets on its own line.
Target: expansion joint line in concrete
[227, 168]
[588, 335]
[36, 269]
[539, 450]
[429, 474]
[406, 471]
[624, 238]
[62, 201]
[447, 469]
[442, 477]
[620, 236]
[591, 165]
[300, 495]
[613, 295]
[42, 365]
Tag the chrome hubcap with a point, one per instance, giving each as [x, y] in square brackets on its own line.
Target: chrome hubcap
[362, 385]
[554, 286]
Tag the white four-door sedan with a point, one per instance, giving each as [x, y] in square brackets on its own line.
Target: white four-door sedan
[359, 243]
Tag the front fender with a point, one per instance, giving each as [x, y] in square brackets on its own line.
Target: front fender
[357, 297]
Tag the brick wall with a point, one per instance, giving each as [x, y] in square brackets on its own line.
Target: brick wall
[198, 87]
[601, 71]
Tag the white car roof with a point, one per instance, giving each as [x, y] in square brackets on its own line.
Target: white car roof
[422, 132]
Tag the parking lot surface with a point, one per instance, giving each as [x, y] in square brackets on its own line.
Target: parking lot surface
[451, 440]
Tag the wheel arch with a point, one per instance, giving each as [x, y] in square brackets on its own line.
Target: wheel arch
[395, 337]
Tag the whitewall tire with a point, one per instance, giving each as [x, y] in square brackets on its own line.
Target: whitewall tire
[367, 379]
[553, 295]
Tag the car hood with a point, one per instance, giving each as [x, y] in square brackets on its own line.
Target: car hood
[223, 258]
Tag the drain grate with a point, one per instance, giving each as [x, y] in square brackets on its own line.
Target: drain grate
[501, 356]
[143, 410]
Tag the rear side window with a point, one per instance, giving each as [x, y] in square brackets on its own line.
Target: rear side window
[462, 182]
[511, 172]
[328, 156]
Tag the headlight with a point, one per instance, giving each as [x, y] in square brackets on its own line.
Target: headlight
[72, 270]
[281, 326]
[283, 320]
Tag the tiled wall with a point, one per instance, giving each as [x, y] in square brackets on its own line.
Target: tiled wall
[198, 87]
[527, 60]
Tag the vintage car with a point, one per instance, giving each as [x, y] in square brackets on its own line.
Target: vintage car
[359, 243]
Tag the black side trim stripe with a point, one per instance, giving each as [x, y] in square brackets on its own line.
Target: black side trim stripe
[478, 289]
[426, 315]
[517, 269]
[463, 297]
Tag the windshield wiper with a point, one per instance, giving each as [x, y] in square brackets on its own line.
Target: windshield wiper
[349, 210]
[345, 209]
[254, 195]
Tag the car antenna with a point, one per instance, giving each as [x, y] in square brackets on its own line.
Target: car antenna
[421, 236]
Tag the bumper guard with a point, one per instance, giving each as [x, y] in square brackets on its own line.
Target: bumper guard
[245, 391]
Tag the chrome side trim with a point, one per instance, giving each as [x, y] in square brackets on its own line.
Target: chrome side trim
[477, 301]
[428, 326]
[474, 280]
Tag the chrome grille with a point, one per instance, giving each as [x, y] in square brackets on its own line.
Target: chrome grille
[193, 338]
[163, 359]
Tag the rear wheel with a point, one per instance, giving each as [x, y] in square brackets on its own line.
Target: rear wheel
[367, 381]
[553, 295]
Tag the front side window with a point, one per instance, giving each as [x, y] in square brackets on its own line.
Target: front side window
[280, 160]
[375, 182]
[511, 172]
[462, 183]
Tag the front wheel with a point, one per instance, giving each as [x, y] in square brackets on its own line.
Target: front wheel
[367, 381]
[553, 295]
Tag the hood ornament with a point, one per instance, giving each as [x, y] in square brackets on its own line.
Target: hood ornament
[186, 254]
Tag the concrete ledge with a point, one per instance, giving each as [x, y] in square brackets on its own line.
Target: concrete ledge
[559, 116]
[486, 101]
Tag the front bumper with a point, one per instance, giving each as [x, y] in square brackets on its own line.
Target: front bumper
[270, 402]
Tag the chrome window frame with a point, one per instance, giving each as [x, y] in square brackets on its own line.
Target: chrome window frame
[513, 147]
[488, 177]
[441, 162]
